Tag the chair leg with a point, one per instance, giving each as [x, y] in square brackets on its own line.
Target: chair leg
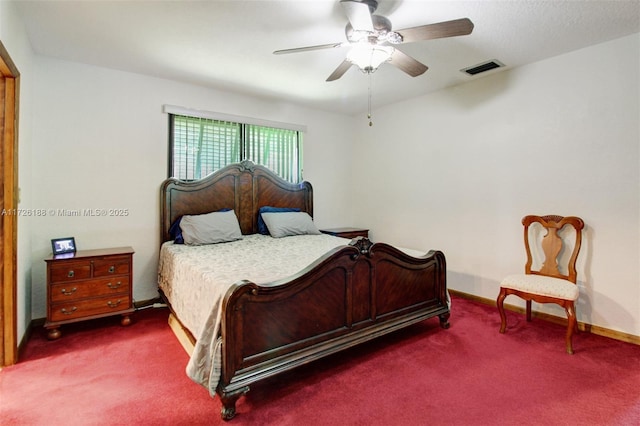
[529, 310]
[571, 325]
[500, 302]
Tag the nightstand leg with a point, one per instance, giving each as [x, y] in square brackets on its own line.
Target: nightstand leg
[126, 320]
[53, 333]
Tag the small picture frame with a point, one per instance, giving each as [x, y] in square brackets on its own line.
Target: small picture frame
[63, 245]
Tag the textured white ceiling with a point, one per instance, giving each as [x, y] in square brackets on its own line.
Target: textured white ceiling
[228, 44]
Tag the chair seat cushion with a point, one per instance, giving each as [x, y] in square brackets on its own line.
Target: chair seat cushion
[542, 285]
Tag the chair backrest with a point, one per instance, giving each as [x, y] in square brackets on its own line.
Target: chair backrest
[552, 245]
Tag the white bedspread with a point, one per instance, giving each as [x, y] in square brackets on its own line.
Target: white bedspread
[196, 278]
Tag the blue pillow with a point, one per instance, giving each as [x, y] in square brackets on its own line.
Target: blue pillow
[262, 227]
[176, 232]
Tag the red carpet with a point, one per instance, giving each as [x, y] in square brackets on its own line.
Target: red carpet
[100, 373]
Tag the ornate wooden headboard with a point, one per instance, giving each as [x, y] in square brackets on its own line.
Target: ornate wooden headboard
[243, 187]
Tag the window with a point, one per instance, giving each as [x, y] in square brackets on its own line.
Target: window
[199, 146]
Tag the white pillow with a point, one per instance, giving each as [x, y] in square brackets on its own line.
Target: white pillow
[284, 224]
[210, 228]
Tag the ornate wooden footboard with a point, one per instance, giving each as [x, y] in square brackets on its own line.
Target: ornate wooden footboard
[349, 296]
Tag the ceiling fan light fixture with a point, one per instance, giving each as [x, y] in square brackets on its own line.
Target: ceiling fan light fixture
[369, 57]
[358, 36]
[393, 37]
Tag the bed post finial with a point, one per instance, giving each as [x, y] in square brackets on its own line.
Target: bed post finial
[247, 165]
[363, 244]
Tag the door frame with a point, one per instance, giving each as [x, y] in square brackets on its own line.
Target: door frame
[9, 97]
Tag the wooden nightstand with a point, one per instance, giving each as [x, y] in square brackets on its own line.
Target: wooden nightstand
[347, 232]
[88, 284]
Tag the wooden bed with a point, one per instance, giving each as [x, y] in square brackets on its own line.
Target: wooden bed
[351, 295]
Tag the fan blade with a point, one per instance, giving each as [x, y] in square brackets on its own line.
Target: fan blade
[339, 72]
[453, 28]
[407, 64]
[307, 48]
[358, 14]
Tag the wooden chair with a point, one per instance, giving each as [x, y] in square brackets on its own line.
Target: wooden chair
[548, 284]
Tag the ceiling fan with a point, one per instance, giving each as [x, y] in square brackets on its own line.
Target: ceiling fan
[373, 42]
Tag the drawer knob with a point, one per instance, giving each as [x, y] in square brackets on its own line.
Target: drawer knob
[113, 304]
[114, 286]
[112, 269]
[68, 292]
[65, 312]
[71, 274]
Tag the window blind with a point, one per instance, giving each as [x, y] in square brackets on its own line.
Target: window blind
[199, 146]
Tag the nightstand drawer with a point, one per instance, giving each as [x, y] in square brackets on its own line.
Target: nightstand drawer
[66, 292]
[88, 307]
[111, 266]
[70, 272]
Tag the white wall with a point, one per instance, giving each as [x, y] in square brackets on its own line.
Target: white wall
[458, 169]
[14, 39]
[100, 142]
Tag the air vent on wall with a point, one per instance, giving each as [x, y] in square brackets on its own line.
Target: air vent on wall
[483, 67]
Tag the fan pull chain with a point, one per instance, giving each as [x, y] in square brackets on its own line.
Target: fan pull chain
[369, 102]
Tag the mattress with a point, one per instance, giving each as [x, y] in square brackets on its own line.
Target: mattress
[195, 279]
